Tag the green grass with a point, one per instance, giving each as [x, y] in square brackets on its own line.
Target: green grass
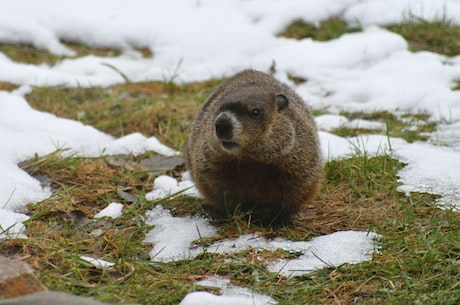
[439, 36]
[328, 29]
[410, 127]
[457, 87]
[420, 248]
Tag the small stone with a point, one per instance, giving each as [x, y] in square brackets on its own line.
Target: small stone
[161, 164]
[17, 279]
[127, 196]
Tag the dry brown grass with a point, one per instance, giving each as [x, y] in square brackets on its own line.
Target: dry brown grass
[7, 86]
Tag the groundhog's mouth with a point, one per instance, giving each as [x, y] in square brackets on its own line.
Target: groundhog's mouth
[229, 145]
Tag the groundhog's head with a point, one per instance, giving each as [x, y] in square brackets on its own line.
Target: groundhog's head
[251, 122]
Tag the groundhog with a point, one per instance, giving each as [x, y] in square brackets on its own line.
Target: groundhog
[254, 147]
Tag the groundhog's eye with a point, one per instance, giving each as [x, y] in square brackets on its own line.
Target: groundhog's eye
[254, 113]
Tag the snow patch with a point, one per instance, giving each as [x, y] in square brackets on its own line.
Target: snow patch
[173, 237]
[97, 262]
[11, 224]
[113, 210]
[164, 186]
[231, 294]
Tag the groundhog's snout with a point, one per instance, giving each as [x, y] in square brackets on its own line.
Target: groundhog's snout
[227, 127]
[224, 127]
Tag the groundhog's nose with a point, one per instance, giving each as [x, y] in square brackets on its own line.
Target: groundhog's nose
[224, 127]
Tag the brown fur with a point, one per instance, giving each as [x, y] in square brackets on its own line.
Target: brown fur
[254, 146]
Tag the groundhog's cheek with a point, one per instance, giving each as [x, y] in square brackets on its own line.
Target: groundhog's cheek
[246, 139]
[252, 144]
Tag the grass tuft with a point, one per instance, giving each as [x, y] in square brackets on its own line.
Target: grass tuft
[7, 86]
[326, 30]
[438, 36]
[457, 87]
[26, 53]
[410, 127]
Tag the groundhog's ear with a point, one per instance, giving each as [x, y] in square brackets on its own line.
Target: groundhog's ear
[281, 101]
